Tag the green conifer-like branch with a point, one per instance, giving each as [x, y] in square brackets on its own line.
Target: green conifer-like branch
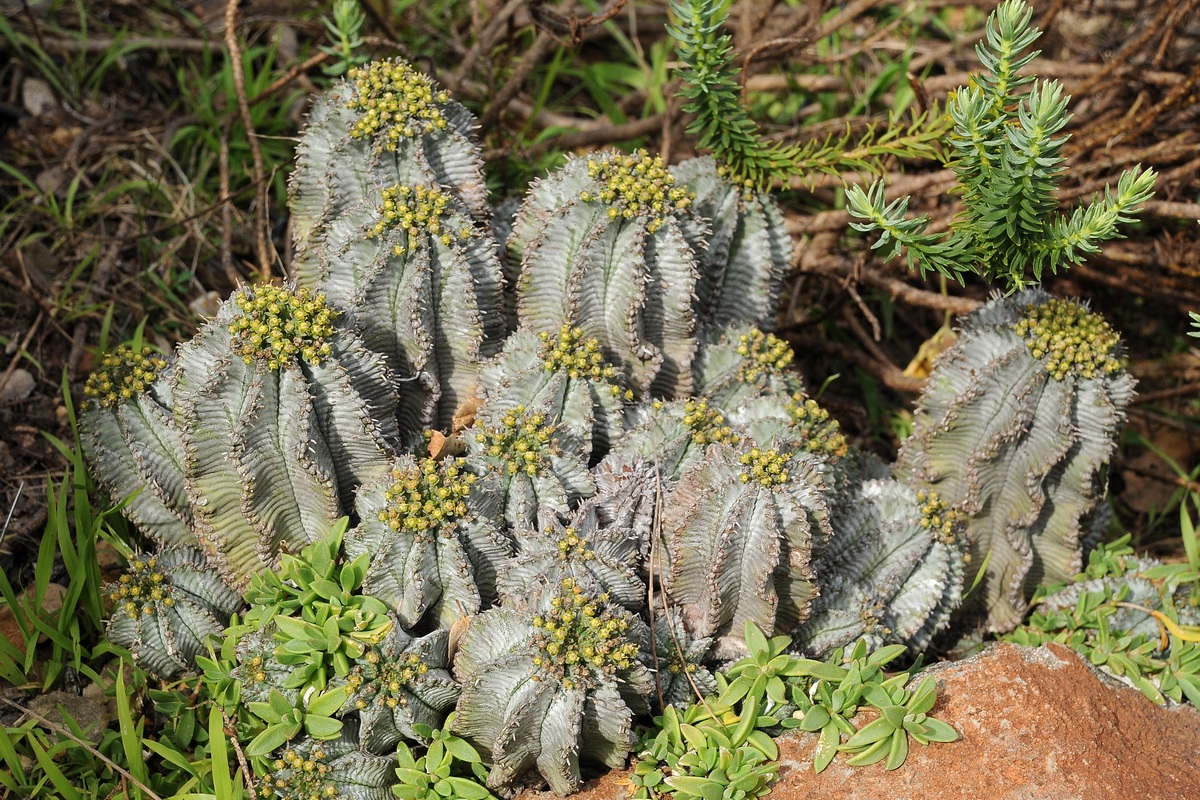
[1006, 149]
[712, 91]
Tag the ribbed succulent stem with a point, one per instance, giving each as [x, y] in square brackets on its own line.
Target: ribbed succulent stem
[129, 436]
[1015, 430]
[284, 414]
[602, 248]
[739, 529]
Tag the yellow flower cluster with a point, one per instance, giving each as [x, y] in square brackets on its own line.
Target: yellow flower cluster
[575, 640]
[414, 209]
[571, 546]
[389, 677]
[522, 440]
[767, 467]
[635, 185]
[1069, 339]
[870, 615]
[677, 666]
[278, 324]
[429, 496]
[299, 778]
[764, 353]
[569, 352]
[141, 590]
[707, 424]
[254, 670]
[822, 435]
[396, 99]
[939, 518]
[123, 374]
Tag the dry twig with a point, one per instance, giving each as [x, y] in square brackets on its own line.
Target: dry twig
[262, 210]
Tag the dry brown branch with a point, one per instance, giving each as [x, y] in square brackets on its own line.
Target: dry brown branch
[292, 74]
[540, 48]
[1146, 398]
[487, 39]
[835, 266]
[884, 371]
[262, 210]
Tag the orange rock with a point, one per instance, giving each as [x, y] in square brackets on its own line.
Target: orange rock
[1036, 724]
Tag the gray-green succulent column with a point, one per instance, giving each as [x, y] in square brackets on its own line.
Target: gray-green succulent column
[165, 608]
[1015, 430]
[432, 534]
[549, 688]
[738, 531]
[742, 245]
[391, 223]
[135, 449]
[284, 413]
[563, 376]
[602, 247]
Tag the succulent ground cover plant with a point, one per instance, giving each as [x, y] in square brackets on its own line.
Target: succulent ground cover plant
[438, 542]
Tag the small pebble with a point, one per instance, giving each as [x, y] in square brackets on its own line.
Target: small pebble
[19, 387]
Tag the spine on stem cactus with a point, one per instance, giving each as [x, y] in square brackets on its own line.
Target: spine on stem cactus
[550, 688]
[128, 435]
[738, 532]
[891, 574]
[740, 362]
[563, 376]
[744, 251]
[534, 470]
[388, 124]
[601, 559]
[167, 606]
[602, 247]
[284, 414]
[433, 545]
[401, 682]
[1015, 430]
[408, 252]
